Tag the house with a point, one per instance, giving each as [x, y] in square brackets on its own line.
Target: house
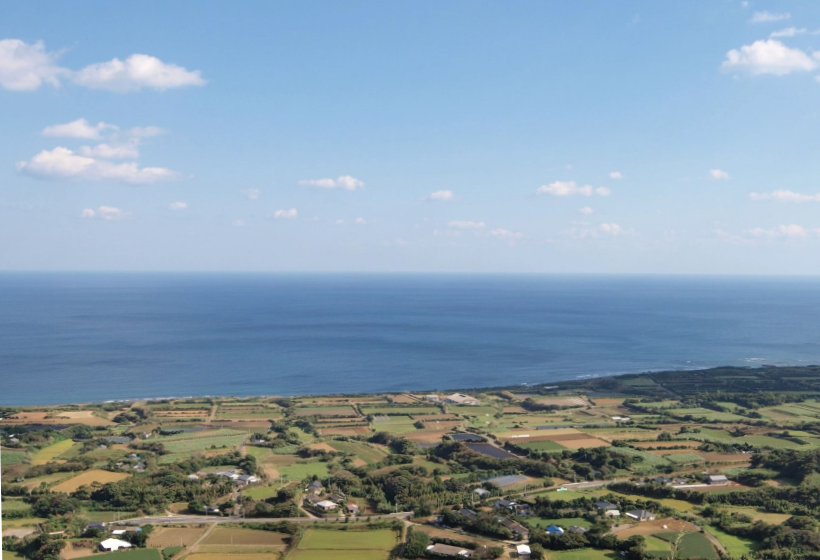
[232, 474]
[432, 398]
[313, 499]
[193, 477]
[606, 506]
[447, 550]
[680, 480]
[212, 509]
[458, 398]
[555, 530]
[337, 498]
[352, 509]
[717, 479]
[640, 515]
[662, 480]
[522, 509]
[326, 505]
[114, 545]
[247, 479]
[118, 532]
[95, 525]
[468, 512]
[481, 492]
[576, 529]
[315, 487]
[139, 467]
[514, 526]
[504, 504]
[523, 551]
[612, 513]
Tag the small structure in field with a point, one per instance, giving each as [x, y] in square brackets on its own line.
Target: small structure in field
[326, 505]
[113, 545]
[447, 550]
[717, 479]
[641, 515]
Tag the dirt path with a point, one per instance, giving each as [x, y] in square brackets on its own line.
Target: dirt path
[212, 415]
[193, 547]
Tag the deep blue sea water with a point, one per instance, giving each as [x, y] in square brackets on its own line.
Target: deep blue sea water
[94, 337]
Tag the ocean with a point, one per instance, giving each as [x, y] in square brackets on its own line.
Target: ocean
[67, 338]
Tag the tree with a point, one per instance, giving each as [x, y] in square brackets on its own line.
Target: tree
[417, 543]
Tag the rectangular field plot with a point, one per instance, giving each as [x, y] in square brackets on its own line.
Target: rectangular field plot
[364, 452]
[203, 443]
[507, 480]
[142, 554]
[318, 539]
[51, 452]
[544, 446]
[231, 536]
[324, 411]
[400, 410]
[9, 458]
[86, 478]
[171, 536]
[231, 556]
[298, 471]
[695, 545]
[300, 554]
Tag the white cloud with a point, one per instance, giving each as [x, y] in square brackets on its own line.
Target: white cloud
[62, 163]
[136, 72]
[107, 213]
[26, 67]
[570, 188]
[616, 175]
[239, 223]
[251, 194]
[106, 151]
[178, 205]
[783, 195]
[356, 222]
[790, 231]
[78, 129]
[285, 214]
[788, 32]
[441, 196]
[466, 224]
[718, 174]
[345, 182]
[360, 222]
[506, 235]
[610, 229]
[768, 57]
[146, 131]
[586, 210]
[769, 17]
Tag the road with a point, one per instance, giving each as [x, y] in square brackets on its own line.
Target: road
[169, 519]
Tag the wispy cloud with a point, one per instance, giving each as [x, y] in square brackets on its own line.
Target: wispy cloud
[251, 194]
[285, 214]
[570, 188]
[616, 175]
[783, 195]
[105, 213]
[769, 17]
[768, 57]
[441, 196]
[466, 224]
[78, 129]
[788, 32]
[344, 182]
[178, 205]
[586, 210]
[506, 235]
[718, 174]
[26, 67]
[789, 231]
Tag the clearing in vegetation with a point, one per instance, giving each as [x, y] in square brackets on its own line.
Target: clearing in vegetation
[86, 478]
[174, 536]
[50, 453]
[236, 536]
[320, 539]
[140, 554]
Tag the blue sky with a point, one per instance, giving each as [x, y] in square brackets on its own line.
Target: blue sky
[608, 137]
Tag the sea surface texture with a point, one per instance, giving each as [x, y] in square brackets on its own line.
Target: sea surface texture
[94, 337]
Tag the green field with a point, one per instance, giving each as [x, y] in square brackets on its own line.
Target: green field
[319, 539]
[695, 545]
[262, 492]
[259, 452]
[204, 443]
[401, 410]
[141, 554]
[774, 443]
[221, 432]
[544, 446]
[364, 452]
[9, 458]
[683, 458]
[51, 452]
[300, 554]
[648, 464]
[564, 522]
[324, 411]
[14, 505]
[583, 554]
[299, 470]
[467, 410]
[735, 546]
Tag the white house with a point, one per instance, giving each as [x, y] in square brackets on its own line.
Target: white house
[326, 505]
[718, 479]
[248, 479]
[458, 398]
[114, 544]
[523, 551]
[481, 492]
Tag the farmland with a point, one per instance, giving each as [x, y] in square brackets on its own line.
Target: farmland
[246, 537]
[174, 536]
[51, 452]
[352, 545]
[87, 478]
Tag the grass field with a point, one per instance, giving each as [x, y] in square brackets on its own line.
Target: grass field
[735, 546]
[51, 452]
[695, 545]
[683, 458]
[15, 505]
[225, 535]
[324, 411]
[262, 492]
[364, 452]
[401, 410]
[86, 478]
[141, 554]
[9, 458]
[204, 443]
[544, 446]
[230, 556]
[298, 471]
[173, 536]
[108, 515]
[261, 453]
[583, 554]
[318, 539]
[565, 523]
[323, 555]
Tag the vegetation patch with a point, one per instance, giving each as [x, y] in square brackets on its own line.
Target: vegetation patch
[87, 478]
